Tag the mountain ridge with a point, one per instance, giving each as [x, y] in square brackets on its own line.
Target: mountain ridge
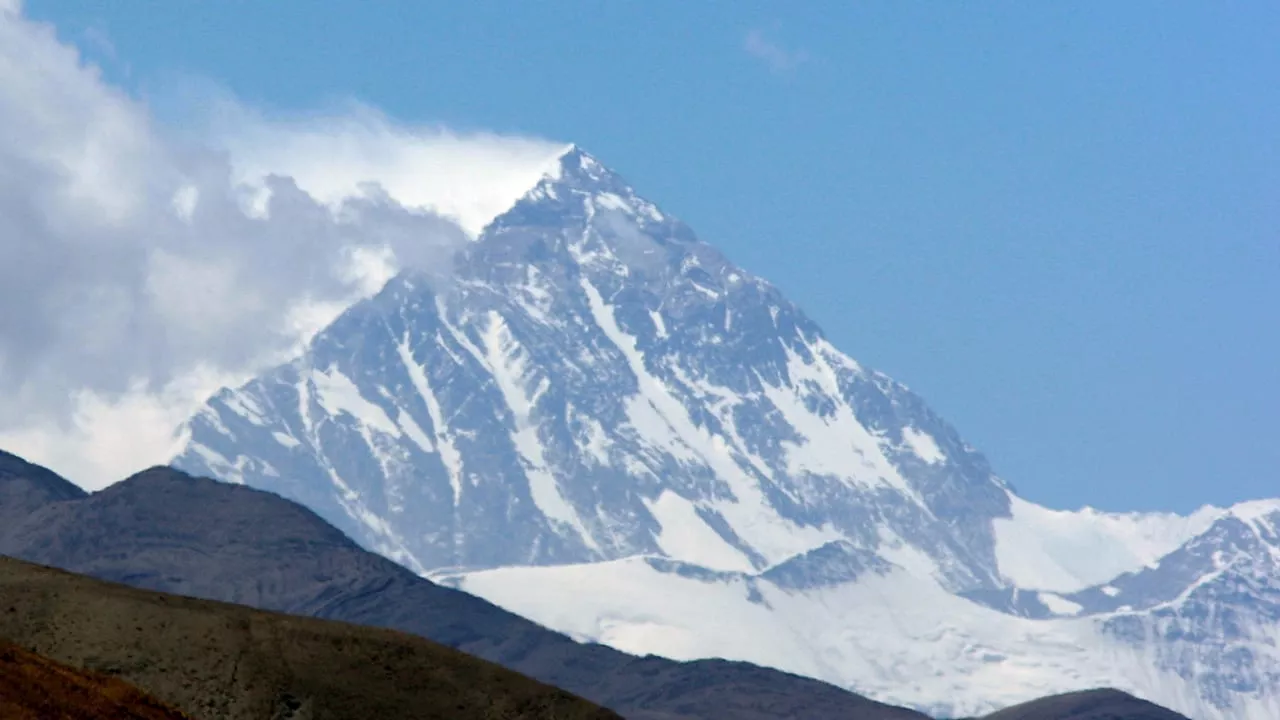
[586, 269]
[230, 662]
[162, 530]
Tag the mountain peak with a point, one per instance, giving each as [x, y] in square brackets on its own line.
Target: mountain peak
[575, 188]
[578, 163]
[576, 169]
[26, 484]
[598, 383]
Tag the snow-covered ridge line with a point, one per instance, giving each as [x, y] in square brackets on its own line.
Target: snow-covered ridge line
[549, 172]
[892, 636]
[1065, 551]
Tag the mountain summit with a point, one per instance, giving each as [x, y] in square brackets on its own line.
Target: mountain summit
[602, 423]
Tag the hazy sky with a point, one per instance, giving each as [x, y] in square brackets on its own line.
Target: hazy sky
[1059, 222]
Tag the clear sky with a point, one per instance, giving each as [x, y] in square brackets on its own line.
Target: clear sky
[1059, 222]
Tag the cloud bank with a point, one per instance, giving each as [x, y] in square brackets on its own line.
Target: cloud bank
[469, 179]
[139, 272]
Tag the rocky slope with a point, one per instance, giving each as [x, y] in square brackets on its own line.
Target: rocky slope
[229, 662]
[33, 687]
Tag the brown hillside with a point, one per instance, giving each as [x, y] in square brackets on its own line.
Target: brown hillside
[229, 662]
[33, 687]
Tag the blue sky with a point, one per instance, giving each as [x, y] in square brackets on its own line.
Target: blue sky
[1060, 223]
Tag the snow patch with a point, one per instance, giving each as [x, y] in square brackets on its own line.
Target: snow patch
[288, 441]
[414, 432]
[898, 638]
[610, 201]
[1059, 605]
[449, 455]
[646, 611]
[224, 468]
[596, 443]
[1066, 551]
[684, 535]
[508, 364]
[210, 414]
[659, 325]
[1261, 515]
[832, 444]
[664, 423]
[337, 394]
[241, 404]
[924, 446]
[906, 556]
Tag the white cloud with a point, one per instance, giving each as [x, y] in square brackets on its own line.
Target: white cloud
[108, 436]
[779, 59]
[470, 178]
[134, 281]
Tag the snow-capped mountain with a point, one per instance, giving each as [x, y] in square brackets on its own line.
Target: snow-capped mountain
[603, 424]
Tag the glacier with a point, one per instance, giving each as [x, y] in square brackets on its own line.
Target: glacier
[601, 423]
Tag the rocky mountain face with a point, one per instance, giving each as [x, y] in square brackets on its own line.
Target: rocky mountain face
[597, 404]
[599, 384]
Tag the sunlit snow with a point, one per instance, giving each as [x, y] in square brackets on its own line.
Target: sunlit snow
[686, 536]
[897, 637]
[1065, 551]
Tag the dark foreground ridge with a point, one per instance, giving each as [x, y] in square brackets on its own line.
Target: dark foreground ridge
[164, 530]
[1087, 705]
[25, 488]
[33, 687]
[221, 661]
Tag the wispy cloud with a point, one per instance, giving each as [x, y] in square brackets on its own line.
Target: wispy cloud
[140, 271]
[780, 59]
[469, 178]
[97, 39]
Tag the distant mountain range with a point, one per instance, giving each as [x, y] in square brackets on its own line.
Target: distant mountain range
[602, 424]
[162, 530]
